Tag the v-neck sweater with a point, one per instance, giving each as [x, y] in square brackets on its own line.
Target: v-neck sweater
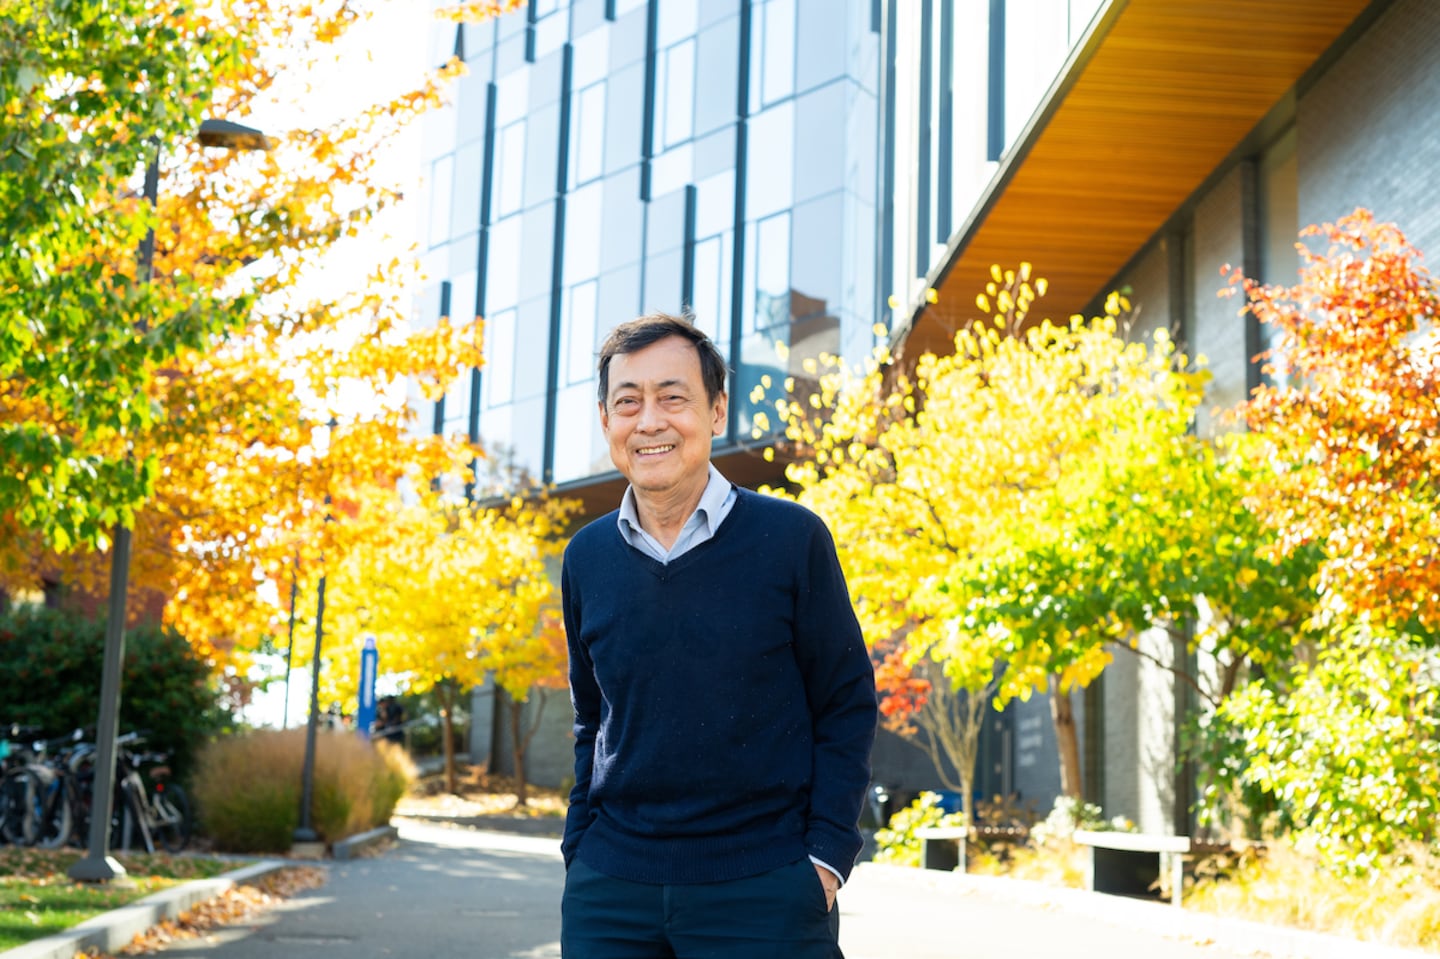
[724, 703]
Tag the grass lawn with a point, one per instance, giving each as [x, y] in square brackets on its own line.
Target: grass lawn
[37, 898]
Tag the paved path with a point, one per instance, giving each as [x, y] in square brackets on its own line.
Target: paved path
[448, 892]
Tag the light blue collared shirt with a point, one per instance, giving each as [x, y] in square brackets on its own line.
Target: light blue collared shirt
[715, 504]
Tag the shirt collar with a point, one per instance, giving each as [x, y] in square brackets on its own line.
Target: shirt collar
[717, 490]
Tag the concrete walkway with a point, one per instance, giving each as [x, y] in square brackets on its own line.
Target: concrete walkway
[472, 894]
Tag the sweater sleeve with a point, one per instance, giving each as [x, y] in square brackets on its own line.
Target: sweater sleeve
[585, 697]
[840, 688]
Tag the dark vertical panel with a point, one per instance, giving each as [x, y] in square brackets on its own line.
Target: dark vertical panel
[927, 120]
[647, 129]
[885, 208]
[1186, 706]
[687, 276]
[1250, 239]
[487, 175]
[437, 426]
[557, 269]
[1092, 747]
[876, 15]
[742, 174]
[995, 102]
[609, 9]
[530, 20]
[1177, 280]
[945, 125]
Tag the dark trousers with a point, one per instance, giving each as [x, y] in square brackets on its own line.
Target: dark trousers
[776, 915]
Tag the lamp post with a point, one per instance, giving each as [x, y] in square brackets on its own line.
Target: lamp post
[306, 839]
[98, 865]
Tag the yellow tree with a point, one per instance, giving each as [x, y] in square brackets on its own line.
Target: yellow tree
[457, 592]
[988, 503]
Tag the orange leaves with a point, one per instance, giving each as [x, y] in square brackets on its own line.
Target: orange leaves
[1349, 427]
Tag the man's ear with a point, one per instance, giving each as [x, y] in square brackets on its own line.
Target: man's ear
[721, 406]
[604, 417]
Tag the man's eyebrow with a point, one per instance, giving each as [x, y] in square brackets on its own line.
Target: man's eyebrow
[662, 385]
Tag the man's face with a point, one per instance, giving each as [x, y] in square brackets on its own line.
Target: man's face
[658, 419]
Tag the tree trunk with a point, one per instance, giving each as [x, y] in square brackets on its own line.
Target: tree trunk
[948, 727]
[518, 742]
[1067, 741]
[445, 692]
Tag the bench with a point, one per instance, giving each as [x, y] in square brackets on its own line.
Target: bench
[1130, 864]
[944, 847]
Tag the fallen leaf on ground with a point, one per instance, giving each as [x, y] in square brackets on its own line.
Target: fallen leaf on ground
[235, 904]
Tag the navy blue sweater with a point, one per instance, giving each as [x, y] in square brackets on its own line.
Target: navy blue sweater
[724, 704]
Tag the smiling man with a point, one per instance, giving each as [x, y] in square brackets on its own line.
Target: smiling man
[724, 700]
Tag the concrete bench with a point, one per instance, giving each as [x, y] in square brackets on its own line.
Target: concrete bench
[1130, 864]
[944, 847]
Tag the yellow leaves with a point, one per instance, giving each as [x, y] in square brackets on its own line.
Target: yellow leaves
[475, 11]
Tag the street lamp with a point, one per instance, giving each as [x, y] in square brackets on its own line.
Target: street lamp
[98, 865]
[306, 839]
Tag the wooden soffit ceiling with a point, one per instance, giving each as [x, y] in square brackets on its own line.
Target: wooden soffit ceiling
[1157, 96]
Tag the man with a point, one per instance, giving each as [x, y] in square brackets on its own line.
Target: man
[724, 700]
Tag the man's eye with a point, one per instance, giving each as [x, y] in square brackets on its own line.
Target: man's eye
[625, 404]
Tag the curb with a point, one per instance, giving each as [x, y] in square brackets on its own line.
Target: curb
[1239, 935]
[352, 846]
[115, 929]
[542, 827]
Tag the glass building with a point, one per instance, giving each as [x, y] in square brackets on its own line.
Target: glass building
[797, 171]
[780, 168]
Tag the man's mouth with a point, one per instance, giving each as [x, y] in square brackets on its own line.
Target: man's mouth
[654, 450]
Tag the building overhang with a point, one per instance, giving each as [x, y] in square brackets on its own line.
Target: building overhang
[1150, 103]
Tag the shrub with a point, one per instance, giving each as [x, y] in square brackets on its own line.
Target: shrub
[50, 677]
[1350, 748]
[1070, 814]
[897, 843]
[247, 787]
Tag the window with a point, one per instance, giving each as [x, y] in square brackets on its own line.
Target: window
[442, 182]
[706, 300]
[580, 333]
[510, 172]
[499, 372]
[677, 86]
[589, 133]
[772, 272]
[774, 22]
[770, 162]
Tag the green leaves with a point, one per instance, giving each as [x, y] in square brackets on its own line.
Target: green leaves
[1349, 747]
[82, 100]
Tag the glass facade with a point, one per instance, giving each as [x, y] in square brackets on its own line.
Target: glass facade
[778, 168]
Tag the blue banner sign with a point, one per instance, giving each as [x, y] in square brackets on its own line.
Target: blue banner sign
[369, 663]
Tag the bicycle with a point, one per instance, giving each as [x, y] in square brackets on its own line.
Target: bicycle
[142, 816]
[36, 796]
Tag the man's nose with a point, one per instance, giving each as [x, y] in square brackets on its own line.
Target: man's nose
[652, 416]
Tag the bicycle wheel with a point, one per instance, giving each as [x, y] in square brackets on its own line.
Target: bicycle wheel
[58, 821]
[130, 820]
[172, 817]
[19, 793]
